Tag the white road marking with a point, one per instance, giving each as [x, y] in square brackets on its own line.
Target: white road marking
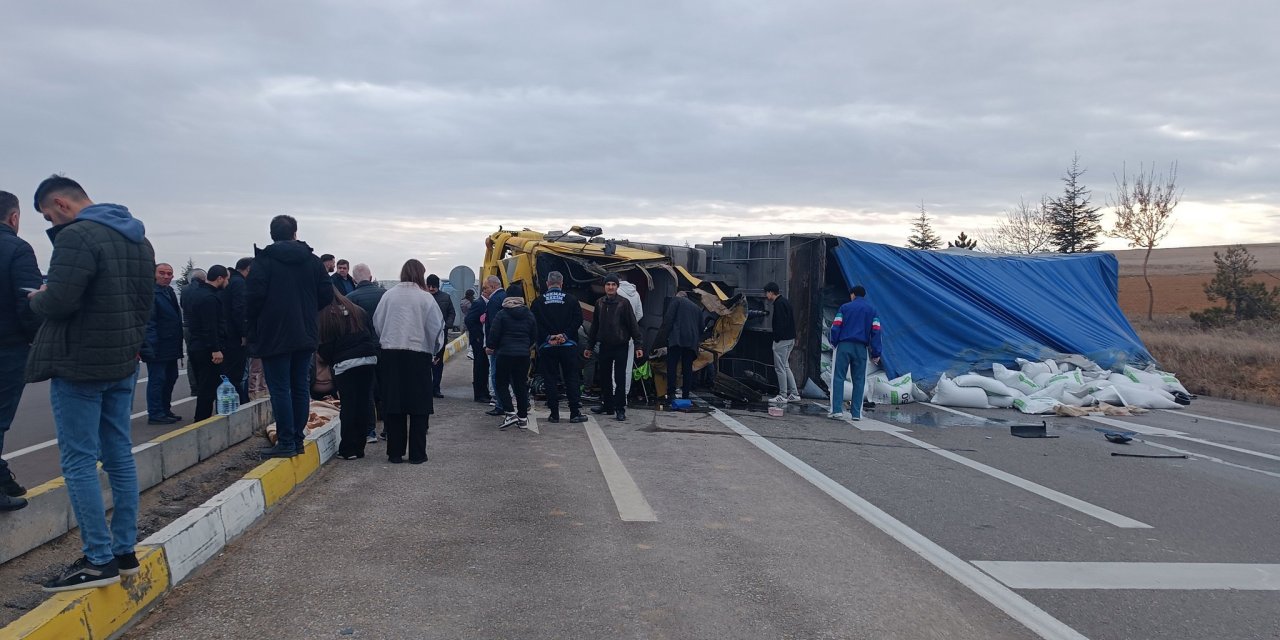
[1238, 424]
[632, 507]
[1157, 431]
[1202, 456]
[1017, 607]
[181, 372]
[1134, 575]
[49, 443]
[955, 411]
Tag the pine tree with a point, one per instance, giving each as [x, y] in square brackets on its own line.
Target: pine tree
[963, 242]
[1076, 225]
[924, 237]
[185, 278]
[1243, 300]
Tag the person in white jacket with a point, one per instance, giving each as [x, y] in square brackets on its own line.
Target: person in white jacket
[410, 330]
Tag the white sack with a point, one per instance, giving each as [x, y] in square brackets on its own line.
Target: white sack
[1035, 406]
[990, 385]
[1014, 379]
[948, 394]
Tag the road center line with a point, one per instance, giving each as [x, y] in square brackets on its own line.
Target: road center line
[1134, 575]
[632, 507]
[49, 443]
[1017, 607]
[1238, 424]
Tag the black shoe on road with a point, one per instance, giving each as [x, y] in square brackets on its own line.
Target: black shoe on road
[510, 421]
[494, 412]
[600, 409]
[620, 416]
[84, 575]
[9, 486]
[173, 416]
[128, 564]
[577, 418]
[554, 419]
[10, 503]
[439, 395]
[161, 420]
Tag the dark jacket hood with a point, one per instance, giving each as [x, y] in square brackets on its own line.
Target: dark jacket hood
[286, 251]
[117, 218]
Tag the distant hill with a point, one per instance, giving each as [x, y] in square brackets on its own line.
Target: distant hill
[1179, 275]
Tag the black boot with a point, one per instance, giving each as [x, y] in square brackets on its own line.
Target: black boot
[601, 409]
[9, 486]
[555, 415]
[279, 451]
[620, 416]
[576, 417]
[9, 503]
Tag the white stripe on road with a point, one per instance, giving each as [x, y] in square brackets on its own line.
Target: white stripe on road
[1089, 509]
[955, 411]
[1017, 607]
[1192, 454]
[1134, 575]
[1157, 431]
[1238, 424]
[50, 443]
[181, 372]
[632, 507]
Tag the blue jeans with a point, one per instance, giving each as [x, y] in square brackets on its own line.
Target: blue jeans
[849, 354]
[13, 360]
[162, 375]
[493, 384]
[92, 422]
[289, 381]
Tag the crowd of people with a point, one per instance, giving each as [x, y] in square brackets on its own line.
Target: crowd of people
[273, 322]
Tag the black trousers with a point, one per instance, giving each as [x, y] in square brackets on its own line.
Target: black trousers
[233, 367]
[513, 375]
[208, 376]
[613, 358]
[680, 359]
[410, 430]
[479, 368]
[355, 388]
[562, 363]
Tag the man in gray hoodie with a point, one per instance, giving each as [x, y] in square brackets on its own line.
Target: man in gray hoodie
[95, 309]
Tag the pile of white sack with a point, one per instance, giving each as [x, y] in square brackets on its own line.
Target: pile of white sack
[879, 388]
[1073, 381]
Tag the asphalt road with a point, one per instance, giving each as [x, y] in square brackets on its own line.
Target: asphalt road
[33, 427]
[916, 523]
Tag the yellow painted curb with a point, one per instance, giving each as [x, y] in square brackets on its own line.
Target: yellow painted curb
[46, 487]
[277, 479]
[307, 463]
[187, 429]
[95, 613]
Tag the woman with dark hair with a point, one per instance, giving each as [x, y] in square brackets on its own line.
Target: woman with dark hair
[348, 346]
[514, 333]
[410, 328]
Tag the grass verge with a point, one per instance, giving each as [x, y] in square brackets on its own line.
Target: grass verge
[1238, 363]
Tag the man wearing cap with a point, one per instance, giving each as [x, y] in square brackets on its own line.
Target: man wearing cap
[613, 325]
[854, 332]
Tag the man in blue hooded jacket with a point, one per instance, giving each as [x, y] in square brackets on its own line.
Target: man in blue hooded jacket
[95, 309]
[855, 332]
[18, 273]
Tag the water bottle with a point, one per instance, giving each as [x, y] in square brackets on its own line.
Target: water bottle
[228, 398]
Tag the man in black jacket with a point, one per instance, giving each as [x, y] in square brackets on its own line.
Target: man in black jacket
[367, 293]
[162, 349]
[475, 336]
[682, 332]
[612, 327]
[207, 324]
[18, 272]
[445, 302]
[784, 339]
[490, 314]
[234, 301]
[287, 289]
[342, 279]
[559, 317]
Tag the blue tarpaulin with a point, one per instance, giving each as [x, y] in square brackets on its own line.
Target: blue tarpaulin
[955, 312]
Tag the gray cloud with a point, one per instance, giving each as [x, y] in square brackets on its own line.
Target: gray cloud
[399, 128]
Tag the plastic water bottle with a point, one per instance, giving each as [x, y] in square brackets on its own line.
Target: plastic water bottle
[228, 398]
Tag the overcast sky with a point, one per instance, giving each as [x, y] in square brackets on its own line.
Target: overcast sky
[395, 129]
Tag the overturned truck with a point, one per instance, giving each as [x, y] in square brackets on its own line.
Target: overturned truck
[943, 312]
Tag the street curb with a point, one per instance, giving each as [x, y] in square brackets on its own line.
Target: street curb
[48, 512]
[172, 554]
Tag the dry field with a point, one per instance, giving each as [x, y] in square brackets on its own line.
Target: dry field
[1241, 363]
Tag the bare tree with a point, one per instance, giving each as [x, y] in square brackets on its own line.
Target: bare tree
[1025, 229]
[1144, 214]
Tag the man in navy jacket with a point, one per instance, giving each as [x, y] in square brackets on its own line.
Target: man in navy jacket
[855, 332]
[162, 349]
[18, 271]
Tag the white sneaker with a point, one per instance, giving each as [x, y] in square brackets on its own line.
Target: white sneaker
[836, 416]
[794, 397]
[470, 357]
[778, 399]
[510, 421]
[855, 418]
